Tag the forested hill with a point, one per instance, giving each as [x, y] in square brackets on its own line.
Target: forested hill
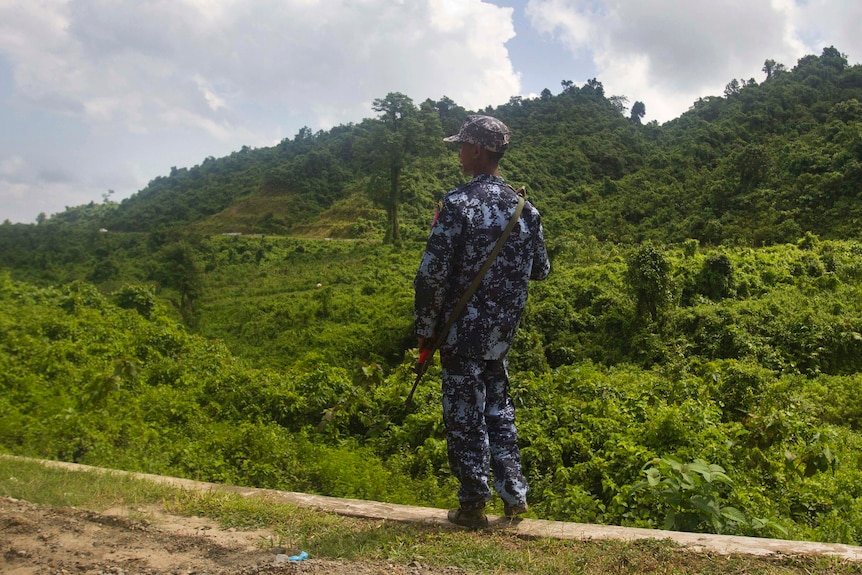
[762, 164]
[661, 379]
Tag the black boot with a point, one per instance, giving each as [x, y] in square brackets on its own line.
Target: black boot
[472, 518]
[513, 511]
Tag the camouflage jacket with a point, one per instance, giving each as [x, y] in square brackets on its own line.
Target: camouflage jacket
[468, 223]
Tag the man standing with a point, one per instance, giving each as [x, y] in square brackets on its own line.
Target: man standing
[477, 410]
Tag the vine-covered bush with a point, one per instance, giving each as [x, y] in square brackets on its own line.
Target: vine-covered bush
[624, 418]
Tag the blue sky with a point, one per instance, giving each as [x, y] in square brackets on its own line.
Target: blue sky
[99, 95]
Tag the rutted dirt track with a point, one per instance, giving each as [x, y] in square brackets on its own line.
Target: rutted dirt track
[45, 540]
[36, 539]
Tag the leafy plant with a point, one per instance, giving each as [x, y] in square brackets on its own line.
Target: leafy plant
[648, 278]
[692, 494]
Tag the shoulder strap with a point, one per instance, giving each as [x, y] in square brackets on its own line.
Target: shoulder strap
[480, 275]
[474, 285]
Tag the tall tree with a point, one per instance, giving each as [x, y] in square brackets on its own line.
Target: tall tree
[772, 68]
[177, 268]
[752, 163]
[596, 86]
[619, 102]
[733, 87]
[451, 114]
[395, 140]
[648, 278]
[638, 112]
[832, 58]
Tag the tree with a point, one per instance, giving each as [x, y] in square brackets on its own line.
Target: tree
[431, 135]
[638, 112]
[752, 164]
[397, 138]
[832, 58]
[619, 102]
[596, 86]
[451, 114]
[648, 278]
[733, 87]
[177, 268]
[716, 277]
[772, 69]
[304, 134]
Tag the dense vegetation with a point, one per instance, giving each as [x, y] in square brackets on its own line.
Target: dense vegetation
[693, 362]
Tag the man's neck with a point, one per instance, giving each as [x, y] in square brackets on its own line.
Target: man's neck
[485, 175]
[486, 171]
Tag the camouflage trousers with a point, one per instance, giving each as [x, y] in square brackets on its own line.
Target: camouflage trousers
[480, 430]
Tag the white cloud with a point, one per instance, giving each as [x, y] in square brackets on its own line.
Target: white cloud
[213, 99]
[233, 72]
[11, 166]
[575, 22]
[22, 202]
[823, 23]
[668, 53]
[98, 94]
[131, 62]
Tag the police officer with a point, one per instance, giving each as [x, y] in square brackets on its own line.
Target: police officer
[477, 410]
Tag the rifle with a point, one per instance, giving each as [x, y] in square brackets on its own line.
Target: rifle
[427, 353]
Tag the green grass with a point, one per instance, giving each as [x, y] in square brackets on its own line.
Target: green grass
[31, 481]
[329, 536]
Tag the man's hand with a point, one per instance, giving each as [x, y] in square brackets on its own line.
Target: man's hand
[424, 350]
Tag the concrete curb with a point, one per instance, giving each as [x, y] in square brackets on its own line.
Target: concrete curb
[531, 528]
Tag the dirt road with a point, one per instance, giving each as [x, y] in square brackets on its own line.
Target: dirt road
[44, 540]
[149, 541]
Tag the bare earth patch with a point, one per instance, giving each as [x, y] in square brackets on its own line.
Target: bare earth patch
[46, 540]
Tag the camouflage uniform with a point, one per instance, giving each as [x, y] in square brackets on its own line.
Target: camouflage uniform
[477, 410]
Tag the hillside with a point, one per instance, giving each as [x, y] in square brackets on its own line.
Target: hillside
[762, 164]
[693, 361]
[739, 363]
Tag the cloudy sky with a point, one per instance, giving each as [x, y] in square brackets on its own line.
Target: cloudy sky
[99, 95]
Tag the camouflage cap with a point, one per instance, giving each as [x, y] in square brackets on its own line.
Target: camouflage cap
[488, 132]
